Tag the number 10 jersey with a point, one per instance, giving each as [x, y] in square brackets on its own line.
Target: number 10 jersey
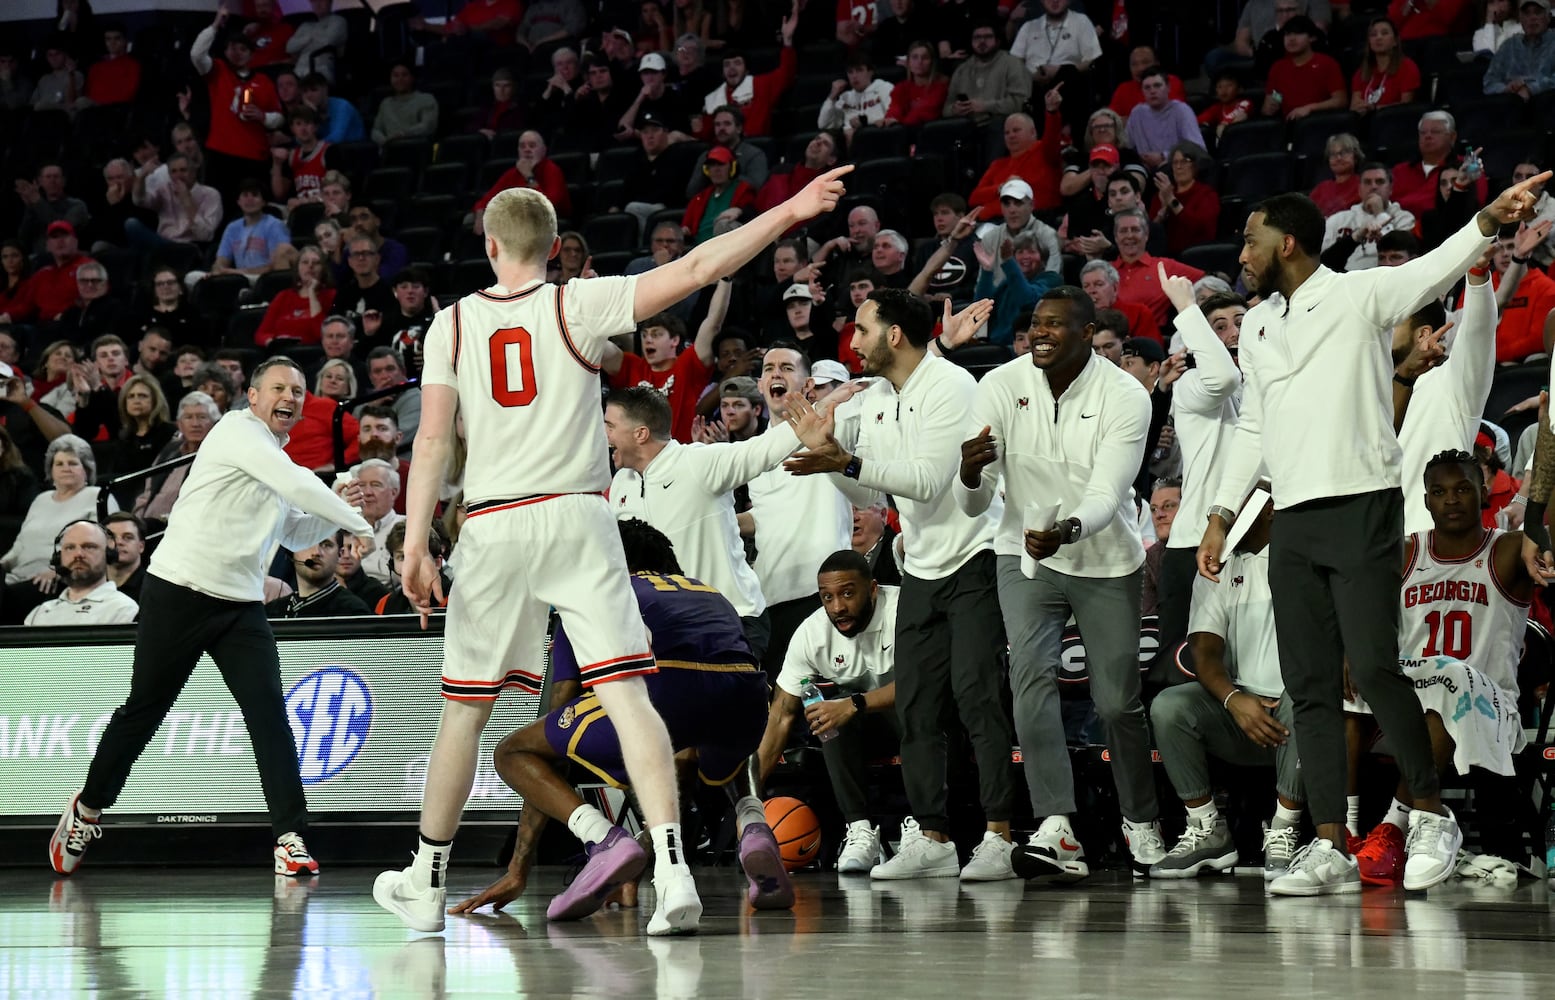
[1456, 608]
[526, 366]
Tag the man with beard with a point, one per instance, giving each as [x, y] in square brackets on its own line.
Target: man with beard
[82, 553]
[319, 594]
[379, 436]
[1318, 412]
[1081, 455]
[847, 644]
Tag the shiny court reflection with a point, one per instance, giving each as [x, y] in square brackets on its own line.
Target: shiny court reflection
[210, 933]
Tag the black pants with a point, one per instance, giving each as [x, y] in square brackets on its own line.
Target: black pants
[866, 738]
[758, 632]
[1174, 597]
[1335, 569]
[786, 617]
[177, 625]
[948, 636]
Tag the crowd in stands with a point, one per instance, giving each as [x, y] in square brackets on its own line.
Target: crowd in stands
[195, 192]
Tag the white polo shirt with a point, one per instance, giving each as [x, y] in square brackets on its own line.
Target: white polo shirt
[102, 605]
[686, 492]
[1069, 41]
[800, 520]
[378, 563]
[862, 663]
[1240, 610]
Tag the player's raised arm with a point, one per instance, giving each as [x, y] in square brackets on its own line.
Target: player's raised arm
[721, 256]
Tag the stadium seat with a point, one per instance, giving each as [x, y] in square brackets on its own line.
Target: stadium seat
[242, 326]
[1483, 120]
[390, 183]
[610, 232]
[1510, 385]
[413, 154]
[1309, 136]
[1396, 128]
[614, 261]
[1258, 175]
[878, 143]
[1263, 135]
[468, 276]
[354, 159]
[471, 150]
[491, 172]
[1214, 258]
[427, 210]
[217, 295]
[304, 219]
[268, 285]
[446, 178]
[980, 359]
[574, 166]
[613, 165]
[797, 143]
[884, 178]
[423, 243]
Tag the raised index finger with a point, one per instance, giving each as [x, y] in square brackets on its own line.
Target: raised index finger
[1531, 182]
[835, 172]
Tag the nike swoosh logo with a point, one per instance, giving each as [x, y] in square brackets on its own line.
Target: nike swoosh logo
[1086, 416]
[1310, 308]
[1068, 845]
[885, 648]
[667, 485]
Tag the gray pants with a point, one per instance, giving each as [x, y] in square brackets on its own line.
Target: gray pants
[860, 741]
[947, 652]
[1190, 726]
[1335, 569]
[1107, 611]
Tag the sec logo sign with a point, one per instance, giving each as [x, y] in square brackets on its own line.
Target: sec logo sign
[330, 711]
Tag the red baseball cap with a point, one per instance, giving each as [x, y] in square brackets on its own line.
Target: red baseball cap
[60, 227]
[719, 154]
[1106, 153]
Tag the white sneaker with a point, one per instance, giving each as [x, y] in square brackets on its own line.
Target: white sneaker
[419, 909]
[919, 857]
[1318, 870]
[1279, 846]
[1431, 849]
[679, 908]
[1200, 847]
[861, 849]
[1145, 845]
[1053, 854]
[990, 860]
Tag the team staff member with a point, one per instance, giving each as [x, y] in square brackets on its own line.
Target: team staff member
[1066, 426]
[243, 497]
[81, 555]
[902, 436]
[1317, 412]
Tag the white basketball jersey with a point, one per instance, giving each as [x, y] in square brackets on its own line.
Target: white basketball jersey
[1456, 608]
[526, 366]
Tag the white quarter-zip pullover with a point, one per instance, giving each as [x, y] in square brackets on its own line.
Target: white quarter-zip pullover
[1204, 406]
[1081, 451]
[685, 492]
[800, 520]
[1317, 410]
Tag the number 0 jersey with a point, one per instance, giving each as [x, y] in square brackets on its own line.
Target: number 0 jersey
[526, 366]
[1458, 609]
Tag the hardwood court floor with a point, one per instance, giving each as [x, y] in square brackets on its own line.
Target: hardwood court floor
[119, 932]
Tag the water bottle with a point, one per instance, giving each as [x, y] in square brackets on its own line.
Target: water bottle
[811, 695]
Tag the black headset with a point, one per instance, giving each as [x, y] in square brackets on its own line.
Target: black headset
[56, 562]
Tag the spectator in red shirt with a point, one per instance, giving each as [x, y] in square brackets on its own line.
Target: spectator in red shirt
[1100, 281]
[1137, 280]
[921, 97]
[726, 197]
[1306, 81]
[1385, 76]
[820, 155]
[244, 108]
[680, 375]
[754, 95]
[115, 78]
[1190, 211]
[533, 169]
[54, 288]
[312, 441]
[1342, 191]
[1524, 308]
[269, 34]
[1036, 162]
[1414, 184]
[1230, 106]
[297, 314]
[1130, 94]
[1431, 18]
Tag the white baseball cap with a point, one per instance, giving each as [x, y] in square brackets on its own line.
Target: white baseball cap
[829, 371]
[651, 61]
[1015, 188]
[798, 290]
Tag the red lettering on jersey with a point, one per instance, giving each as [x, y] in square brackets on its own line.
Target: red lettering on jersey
[1460, 591]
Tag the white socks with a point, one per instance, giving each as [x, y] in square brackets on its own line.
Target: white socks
[668, 847]
[748, 810]
[1398, 815]
[1285, 817]
[90, 815]
[430, 867]
[588, 824]
[1352, 813]
[1205, 815]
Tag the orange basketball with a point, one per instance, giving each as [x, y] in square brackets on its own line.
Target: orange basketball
[797, 829]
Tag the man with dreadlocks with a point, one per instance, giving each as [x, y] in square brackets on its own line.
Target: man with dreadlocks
[1463, 613]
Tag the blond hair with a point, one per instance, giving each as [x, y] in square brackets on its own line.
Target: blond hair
[522, 221]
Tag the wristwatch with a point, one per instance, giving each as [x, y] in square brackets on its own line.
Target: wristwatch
[1226, 514]
[852, 469]
[858, 704]
[1069, 531]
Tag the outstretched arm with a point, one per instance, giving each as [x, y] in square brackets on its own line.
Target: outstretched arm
[717, 310]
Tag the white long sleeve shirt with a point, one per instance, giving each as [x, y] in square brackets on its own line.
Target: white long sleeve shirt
[1445, 407]
[1204, 407]
[243, 498]
[1393, 218]
[685, 492]
[1317, 407]
[1081, 451]
[909, 445]
[800, 520]
[870, 104]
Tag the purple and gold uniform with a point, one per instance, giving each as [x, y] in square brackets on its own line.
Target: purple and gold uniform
[708, 689]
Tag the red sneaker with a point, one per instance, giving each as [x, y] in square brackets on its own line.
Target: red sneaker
[1381, 857]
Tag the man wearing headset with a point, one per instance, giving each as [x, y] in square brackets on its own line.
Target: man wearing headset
[319, 594]
[83, 551]
[725, 197]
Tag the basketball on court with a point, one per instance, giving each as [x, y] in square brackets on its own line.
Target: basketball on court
[797, 830]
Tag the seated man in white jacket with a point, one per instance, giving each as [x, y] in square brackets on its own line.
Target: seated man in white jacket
[857, 101]
[1376, 215]
[1066, 430]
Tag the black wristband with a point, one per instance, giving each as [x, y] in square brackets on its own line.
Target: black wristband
[1533, 525]
[1525, 261]
[1408, 383]
[859, 705]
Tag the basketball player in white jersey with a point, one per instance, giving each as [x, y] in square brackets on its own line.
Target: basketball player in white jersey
[1464, 610]
[520, 362]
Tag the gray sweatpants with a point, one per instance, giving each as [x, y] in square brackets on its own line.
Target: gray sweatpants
[1107, 611]
[1190, 726]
